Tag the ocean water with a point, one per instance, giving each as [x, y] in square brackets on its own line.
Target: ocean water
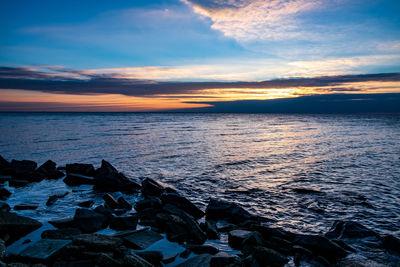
[352, 162]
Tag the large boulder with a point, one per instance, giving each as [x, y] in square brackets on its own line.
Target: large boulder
[80, 168]
[108, 179]
[25, 170]
[224, 210]
[89, 221]
[16, 226]
[152, 188]
[268, 257]
[349, 229]
[182, 203]
[43, 251]
[150, 203]
[75, 179]
[5, 166]
[49, 170]
[124, 223]
[236, 237]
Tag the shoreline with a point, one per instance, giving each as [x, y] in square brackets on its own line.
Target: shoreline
[163, 216]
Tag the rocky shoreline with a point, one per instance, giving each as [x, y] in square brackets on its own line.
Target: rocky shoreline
[162, 214]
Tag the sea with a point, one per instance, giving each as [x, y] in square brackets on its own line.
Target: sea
[299, 172]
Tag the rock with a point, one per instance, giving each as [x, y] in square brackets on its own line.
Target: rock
[255, 239]
[142, 239]
[43, 251]
[80, 168]
[182, 203]
[268, 257]
[223, 210]
[202, 260]
[65, 233]
[16, 226]
[49, 170]
[152, 187]
[53, 198]
[4, 193]
[201, 249]
[153, 257]
[268, 232]
[349, 229]
[108, 179]
[18, 183]
[391, 243]
[210, 228]
[322, 246]
[236, 238]
[222, 259]
[5, 166]
[74, 179]
[86, 204]
[2, 249]
[111, 201]
[23, 165]
[4, 207]
[96, 242]
[26, 206]
[25, 170]
[89, 221]
[74, 263]
[169, 258]
[104, 210]
[104, 260]
[356, 260]
[124, 203]
[63, 222]
[124, 223]
[4, 178]
[134, 260]
[151, 203]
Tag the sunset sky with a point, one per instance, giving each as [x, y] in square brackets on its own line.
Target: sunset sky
[134, 55]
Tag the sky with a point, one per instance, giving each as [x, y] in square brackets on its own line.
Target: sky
[134, 55]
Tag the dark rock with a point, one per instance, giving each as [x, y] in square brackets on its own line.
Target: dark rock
[119, 212]
[222, 259]
[25, 170]
[201, 249]
[182, 203]
[202, 260]
[108, 179]
[111, 201]
[26, 206]
[74, 179]
[80, 168]
[4, 207]
[341, 229]
[224, 227]
[152, 187]
[255, 239]
[43, 251]
[268, 232]
[4, 193]
[153, 257]
[53, 198]
[74, 263]
[16, 226]
[169, 258]
[89, 221]
[64, 222]
[268, 257]
[210, 228]
[49, 170]
[321, 246]
[23, 165]
[142, 239]
[104, 260]
[124, 203]
[356, 260]
[2, 249]
[186, 253]
[236, 238]
[65, 233]
[124, 223]
[134, 260]
[391, 243]
[5, 166]
[220, 209]
[18, 183]
[153, 203]
[96, 242]
[86, 204]
[4, 178]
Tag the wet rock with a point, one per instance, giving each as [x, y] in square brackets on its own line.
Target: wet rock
[104, 260]
[80, 168]
[119, 212]
[322, 246]
[222, 259]
[2, 249]
[25, 170]
[202, 260]
[153, 257]
[182, 203]
[75, 179]
[391, 243]
[4, 207]
[89, 221]
[134, 260]
[223, 210]
[53, 198]
[356, 260]
[5, 166]
[25, 206]
[267, 232]
[4, 193]
[151, 203]
[124, 223]
[65, 233]
[4, 178]
[125, 204]
[152, 187]
[86, 204]
[349, 229]
[268, 257]
[16, 226]
[49, 170]
[63, 222]
[142, 239]
[96, 242]
[111, 201]
[236, 238]
[169, 258]
[18, 183]
[210, 228]
[43, 251]
[108, 179]
[201, 249]
[23, 165]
